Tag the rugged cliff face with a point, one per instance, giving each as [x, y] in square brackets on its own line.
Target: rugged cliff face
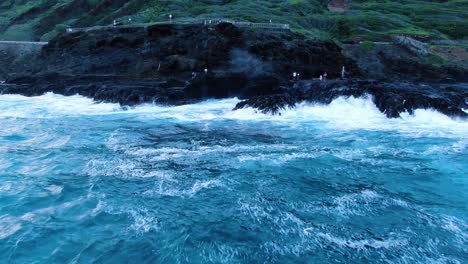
[16, 57]
[161, 59]
[391, 62]
[166, 64]
[176, 50]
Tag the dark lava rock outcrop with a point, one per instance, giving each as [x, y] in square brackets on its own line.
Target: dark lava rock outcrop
[176, 50]
[392, 99]
[166, 64]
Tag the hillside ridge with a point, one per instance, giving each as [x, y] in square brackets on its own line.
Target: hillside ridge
[44, 19]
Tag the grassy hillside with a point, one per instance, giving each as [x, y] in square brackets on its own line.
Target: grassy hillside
[42, 19]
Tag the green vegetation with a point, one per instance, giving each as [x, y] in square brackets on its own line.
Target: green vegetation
[434, 60]
[368, 19]
[367, 45]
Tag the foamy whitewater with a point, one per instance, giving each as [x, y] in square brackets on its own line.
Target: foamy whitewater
[84, 182]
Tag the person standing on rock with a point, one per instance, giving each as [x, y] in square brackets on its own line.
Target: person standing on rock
[343, 72]
[325, 76]
[294, 76]
[321, 77]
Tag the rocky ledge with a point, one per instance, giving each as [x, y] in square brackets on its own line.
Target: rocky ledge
[157, 64]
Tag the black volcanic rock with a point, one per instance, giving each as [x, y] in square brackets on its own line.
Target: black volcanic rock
[156, 64]
[177, 50]
[392, 99]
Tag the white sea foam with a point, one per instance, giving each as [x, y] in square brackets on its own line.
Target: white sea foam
[173, 189]
[54, 189]
[343, 113]
[218, 253]
[8, 226]
[356, 203]
[363, 203]
[58, 142]
[5, 187]
[277, 158]
[143, 221]
[457, 147]
[365, 243]
[13, 188]
[28, 217]
[458, 227]
[51, 105]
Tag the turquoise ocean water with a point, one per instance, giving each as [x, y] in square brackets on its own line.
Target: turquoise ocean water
[82, 182]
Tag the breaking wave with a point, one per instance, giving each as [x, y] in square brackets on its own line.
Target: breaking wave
[343, 113]
[82, 181]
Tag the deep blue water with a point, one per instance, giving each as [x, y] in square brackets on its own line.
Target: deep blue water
[83, 183]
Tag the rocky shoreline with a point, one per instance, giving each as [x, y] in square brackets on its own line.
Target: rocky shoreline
[131, 66]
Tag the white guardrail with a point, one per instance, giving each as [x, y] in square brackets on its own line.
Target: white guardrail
[206, 22]
[24, 43]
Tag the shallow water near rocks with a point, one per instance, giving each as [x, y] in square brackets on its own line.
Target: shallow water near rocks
[83, 182]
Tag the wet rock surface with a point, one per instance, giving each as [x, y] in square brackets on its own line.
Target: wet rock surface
[166, 64]
[392, 99]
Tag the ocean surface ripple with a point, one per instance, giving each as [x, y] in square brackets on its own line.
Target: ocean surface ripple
[85, 182]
